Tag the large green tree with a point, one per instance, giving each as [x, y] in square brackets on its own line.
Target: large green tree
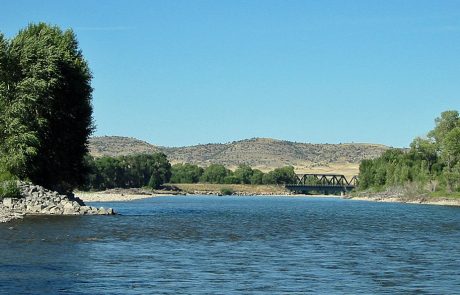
[215, 173]
[185, 173]
[444, 124]
[45, 96]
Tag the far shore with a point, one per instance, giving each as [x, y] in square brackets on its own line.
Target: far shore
[421, 201]
[118, 197]
[113, 197]
[124, 195]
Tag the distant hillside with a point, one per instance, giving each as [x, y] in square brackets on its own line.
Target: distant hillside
[263, 153]
[119, 146]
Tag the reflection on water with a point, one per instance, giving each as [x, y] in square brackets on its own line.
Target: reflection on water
[231, 245]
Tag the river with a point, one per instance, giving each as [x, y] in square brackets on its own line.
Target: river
[236, 245]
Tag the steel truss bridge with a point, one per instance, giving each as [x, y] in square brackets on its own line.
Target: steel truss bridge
[322, 183]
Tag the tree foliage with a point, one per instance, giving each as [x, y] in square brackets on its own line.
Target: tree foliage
[127, 172]
[186, 173]
[215, 173]
[435, 160]
[45, 98]
[283, 175]
[243, 174]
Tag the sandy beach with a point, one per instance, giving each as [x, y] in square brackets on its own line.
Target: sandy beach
[113, 197]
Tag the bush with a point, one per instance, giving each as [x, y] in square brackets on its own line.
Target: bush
[8, 186]
[225, 191]
[9, 189]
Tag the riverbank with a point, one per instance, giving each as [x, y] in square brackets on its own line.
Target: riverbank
[120, 195]
[404, 195]
[394, 195]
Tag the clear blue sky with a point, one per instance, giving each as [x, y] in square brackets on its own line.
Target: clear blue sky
[187, 72]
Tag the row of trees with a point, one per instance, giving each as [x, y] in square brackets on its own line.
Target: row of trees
[432, 161]
[244, 174]
[154, 170]
[127, 172]
[45, 103]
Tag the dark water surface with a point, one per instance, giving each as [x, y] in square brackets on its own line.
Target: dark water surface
[236, 245]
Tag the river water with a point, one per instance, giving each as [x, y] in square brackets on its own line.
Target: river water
[236, 245]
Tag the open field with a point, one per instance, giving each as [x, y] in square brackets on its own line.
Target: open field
[347, 169]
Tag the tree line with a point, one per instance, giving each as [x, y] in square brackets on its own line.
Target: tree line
[433, 162]
[154, 170]
[243, 174]
[127, 172]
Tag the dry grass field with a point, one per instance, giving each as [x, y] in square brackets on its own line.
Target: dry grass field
[199, 188]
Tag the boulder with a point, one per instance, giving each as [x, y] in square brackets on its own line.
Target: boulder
[9, 202]
[101, 211]
[38, 200]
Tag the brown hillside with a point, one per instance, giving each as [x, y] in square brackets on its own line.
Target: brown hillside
[263, 153]
[119, 146]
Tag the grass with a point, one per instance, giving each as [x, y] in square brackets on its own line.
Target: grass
[240, 188]
[445, 195]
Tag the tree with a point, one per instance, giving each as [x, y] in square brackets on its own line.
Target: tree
[160, 170]
[450, 152]
[46, 107]
[425, 149]
[185, 173]
[257, 176]
[215, 173]
[18, 140]
[283, 175]
[243, 174]
[444, 124]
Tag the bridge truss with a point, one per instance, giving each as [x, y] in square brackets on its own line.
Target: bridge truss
[323, 183]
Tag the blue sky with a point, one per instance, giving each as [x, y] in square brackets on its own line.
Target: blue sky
[186, 72]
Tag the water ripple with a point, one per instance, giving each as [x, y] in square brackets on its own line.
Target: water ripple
[234, 245]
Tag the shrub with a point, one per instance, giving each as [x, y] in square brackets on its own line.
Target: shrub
[9, 189]
[8, 186]
[225, 191]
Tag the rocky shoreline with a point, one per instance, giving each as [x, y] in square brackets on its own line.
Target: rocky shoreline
[36, 200]
[401, 195]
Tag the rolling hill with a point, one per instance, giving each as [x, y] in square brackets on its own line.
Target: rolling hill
[262, 153]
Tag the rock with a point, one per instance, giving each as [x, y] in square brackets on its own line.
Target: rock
[36, 208]
[8, 202]
[68, 205]
[85, 209]
[69, 211]
[101, 211]
[38, 200]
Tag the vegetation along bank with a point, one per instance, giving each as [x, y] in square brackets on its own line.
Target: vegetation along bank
[427, 172]
[45, 122]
